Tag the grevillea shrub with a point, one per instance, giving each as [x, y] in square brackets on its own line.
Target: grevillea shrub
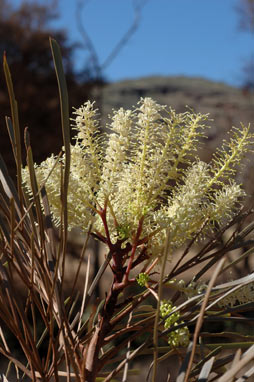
[140, 189]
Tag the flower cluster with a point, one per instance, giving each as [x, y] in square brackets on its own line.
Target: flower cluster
[241, 296]
[179, 337]
[146, 175]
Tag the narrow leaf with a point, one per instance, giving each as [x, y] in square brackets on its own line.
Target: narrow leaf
[206, 369]
[184, 366]
[16, 128]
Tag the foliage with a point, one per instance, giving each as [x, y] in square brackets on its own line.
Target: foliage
[139, 191]
[24, 32]
[245, 11]
[245, 8]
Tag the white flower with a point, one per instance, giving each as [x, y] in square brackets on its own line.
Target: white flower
[143, 174]
[241, 296]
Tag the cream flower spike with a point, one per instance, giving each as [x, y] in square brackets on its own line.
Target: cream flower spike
[144, 174]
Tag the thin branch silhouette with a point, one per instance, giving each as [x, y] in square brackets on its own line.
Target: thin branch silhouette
[98, 67]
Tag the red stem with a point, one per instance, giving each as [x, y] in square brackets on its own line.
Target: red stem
[134, 247]
[103, 215]
[92, 364]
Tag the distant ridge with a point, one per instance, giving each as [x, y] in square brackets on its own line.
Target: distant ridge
[226, 104]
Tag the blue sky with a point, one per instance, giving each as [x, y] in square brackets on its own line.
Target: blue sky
[175, 37]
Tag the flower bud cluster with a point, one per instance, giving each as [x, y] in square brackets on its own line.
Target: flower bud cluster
[190, 290]
[142, 279]
[179, 337]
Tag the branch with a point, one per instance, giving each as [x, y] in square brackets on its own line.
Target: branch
[128, 34]
[87, 41]
[88, 44]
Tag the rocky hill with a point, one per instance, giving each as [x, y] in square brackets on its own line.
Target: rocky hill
[226, 105]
